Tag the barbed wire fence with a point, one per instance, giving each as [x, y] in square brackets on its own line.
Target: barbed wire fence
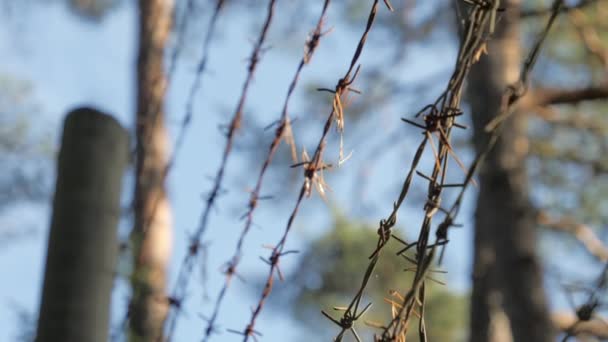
[182, 20]
[439, 118]
[283, 132]
[198, 75]
[189, 260]
[313, 171]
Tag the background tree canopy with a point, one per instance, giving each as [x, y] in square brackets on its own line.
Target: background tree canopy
[328, 273]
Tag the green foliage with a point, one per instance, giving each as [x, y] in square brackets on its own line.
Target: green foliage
[23, 151]
[24, 154]
[568, 142]
[330, 273]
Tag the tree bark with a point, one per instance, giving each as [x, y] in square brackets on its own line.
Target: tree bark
[82, 245]
[152, 226]
[508, 300]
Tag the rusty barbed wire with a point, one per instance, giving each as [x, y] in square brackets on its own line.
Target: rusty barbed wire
[283, 131]
[196, 84]
[439, 119]
[510, 97]
[188, 262]
[201, 66]
[313, 168]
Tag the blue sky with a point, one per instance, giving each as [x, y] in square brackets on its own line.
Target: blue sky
[71, 63]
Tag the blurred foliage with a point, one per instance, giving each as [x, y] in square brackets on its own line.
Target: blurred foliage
[25, 322]
[567, 166]
[330, 272]
[569, 142]
[92, 9]
[25, 151]
[89, 10]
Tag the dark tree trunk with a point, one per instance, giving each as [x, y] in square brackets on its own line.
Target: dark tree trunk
[508, 300]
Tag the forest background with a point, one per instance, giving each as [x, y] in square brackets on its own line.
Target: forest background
[66, 53]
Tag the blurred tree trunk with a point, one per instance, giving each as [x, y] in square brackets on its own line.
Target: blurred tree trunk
[152, 226]
[508, 300]
[82, 246]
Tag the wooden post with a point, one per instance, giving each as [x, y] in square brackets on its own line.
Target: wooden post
[82, 245]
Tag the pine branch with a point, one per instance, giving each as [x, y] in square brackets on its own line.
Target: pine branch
[594, 124]
[553, 96]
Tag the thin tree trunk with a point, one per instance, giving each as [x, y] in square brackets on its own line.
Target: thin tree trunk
[82, 245]
[508, 300]
[152, 227]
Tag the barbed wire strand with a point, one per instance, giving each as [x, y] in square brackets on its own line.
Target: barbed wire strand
[282, 130]
[438, 119]
[312, 170]
[196, 84]
[189, 259]
[185, 122]
[481, 19]
[510, 97]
